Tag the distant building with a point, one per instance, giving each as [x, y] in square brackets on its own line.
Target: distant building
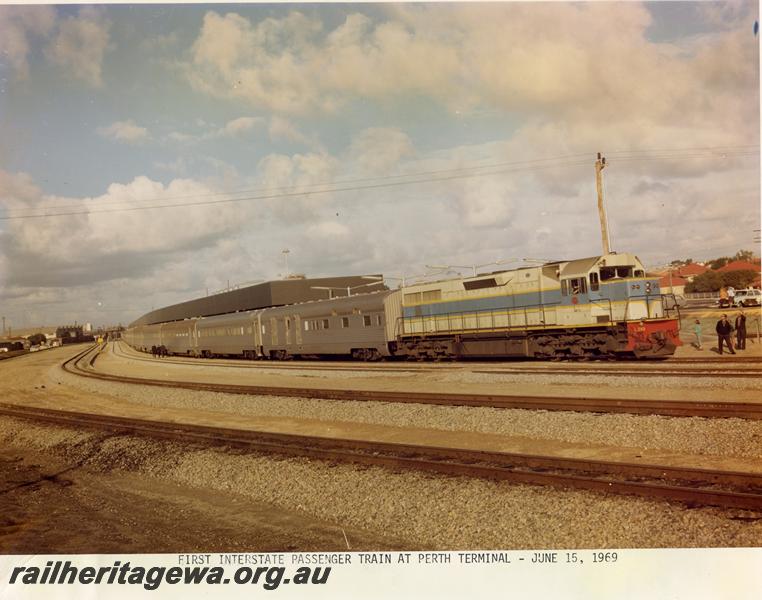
[672, 285]
[70, 334]
[294, 289]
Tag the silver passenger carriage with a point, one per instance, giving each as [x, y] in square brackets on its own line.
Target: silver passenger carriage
[353, 326]
[233, 334]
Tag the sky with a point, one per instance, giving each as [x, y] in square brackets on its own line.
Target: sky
[152, 153]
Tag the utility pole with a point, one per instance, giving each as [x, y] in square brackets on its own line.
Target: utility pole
[285, 253]
[599, 165]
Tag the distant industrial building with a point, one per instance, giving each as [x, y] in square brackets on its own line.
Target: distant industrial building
[72, 334]
[262, 295]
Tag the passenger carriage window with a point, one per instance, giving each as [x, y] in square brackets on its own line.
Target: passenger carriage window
[344, 322]
[564, 287]
[594, 284]
[366, 320]
[325, 323]
[379, 320]
[306, 326]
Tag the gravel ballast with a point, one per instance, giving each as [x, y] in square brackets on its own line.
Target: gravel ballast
[723, 437]
[424, 511]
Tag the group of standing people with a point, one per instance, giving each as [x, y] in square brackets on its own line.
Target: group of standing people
[725, 330]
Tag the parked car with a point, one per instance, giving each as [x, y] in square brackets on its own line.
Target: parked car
[748, 297]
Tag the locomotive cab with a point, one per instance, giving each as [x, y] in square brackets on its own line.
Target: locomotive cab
[623, 285]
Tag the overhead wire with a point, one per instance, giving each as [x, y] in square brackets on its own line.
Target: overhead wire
[297, 193]
[385, 181]
[334, 182]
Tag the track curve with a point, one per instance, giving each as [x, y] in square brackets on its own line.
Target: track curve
[675, 408]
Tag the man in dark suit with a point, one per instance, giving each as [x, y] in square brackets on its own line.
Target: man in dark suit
[741, 331]
[724, 329]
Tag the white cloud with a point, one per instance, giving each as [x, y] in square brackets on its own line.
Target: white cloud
[586, 63]
[487, 202]
[125, 131]
[283, 129]
[328, 230]
[18, 26]
[239, 126]
[81, 44]
[130, 242]
[288, 65]
[380, 150]
[232, 129]
[294, 175]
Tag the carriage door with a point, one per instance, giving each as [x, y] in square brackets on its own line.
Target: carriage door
[256, 323]
[274, 330]
[287, 323]
[298, 329]
[601, 310]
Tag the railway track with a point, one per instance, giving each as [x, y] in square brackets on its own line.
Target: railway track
[675, 408]
[587, 369]
[695, 487]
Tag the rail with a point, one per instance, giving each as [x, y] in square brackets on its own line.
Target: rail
[692, 485]
[675, 408]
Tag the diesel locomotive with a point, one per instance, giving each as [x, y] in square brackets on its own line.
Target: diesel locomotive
[603, 306]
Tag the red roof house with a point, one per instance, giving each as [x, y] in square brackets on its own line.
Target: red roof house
[740, 265]
[691, 270]
[676, 286]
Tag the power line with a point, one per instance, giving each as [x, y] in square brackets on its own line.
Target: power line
[713, 149]
[341, 181]
[388, 181]
[297, 193]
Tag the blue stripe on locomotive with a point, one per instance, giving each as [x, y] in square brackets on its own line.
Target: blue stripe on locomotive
[614, 291]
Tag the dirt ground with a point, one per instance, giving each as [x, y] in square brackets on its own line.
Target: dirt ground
[52, 507]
